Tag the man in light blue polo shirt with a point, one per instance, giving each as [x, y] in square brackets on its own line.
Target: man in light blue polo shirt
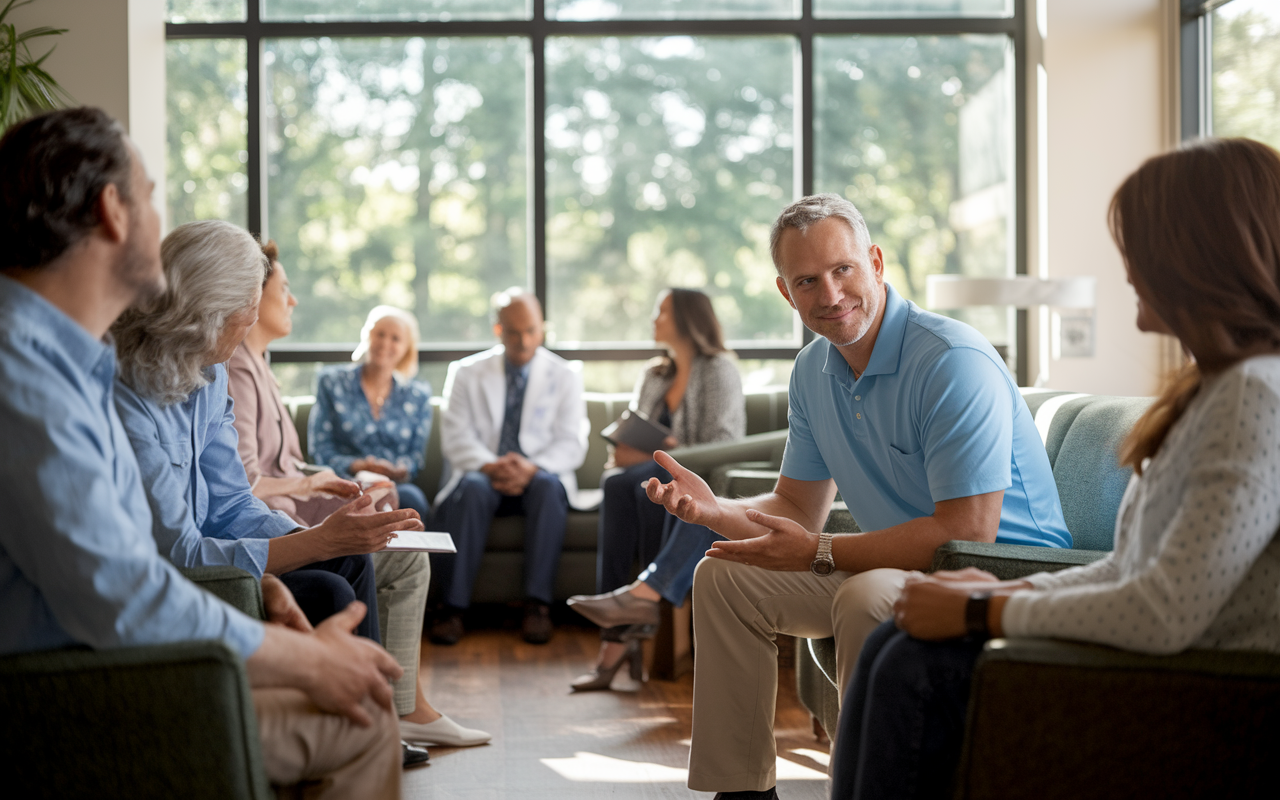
[914, 419]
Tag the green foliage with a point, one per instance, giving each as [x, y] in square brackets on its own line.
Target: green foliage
[206, 129]
[397, 169]
[25, 88]
[1246, 72]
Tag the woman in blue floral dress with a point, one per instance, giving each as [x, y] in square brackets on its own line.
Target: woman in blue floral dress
[373, 416]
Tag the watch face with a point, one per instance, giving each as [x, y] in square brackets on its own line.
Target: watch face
[822, 567]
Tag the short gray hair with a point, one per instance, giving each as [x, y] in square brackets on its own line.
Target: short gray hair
[214, 270]
[813, 209]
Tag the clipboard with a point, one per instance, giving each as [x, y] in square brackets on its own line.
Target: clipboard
[422, 541]
[635, 429]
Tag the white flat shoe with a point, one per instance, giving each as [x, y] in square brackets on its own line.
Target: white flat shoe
[443, 731]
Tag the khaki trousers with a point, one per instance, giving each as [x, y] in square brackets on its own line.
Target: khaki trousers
[331, 756]
[402, 580]
[737, 610]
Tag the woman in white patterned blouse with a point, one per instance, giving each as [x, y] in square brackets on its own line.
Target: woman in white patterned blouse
[1196, 556]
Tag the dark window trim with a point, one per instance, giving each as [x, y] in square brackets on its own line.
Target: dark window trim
[804, 27]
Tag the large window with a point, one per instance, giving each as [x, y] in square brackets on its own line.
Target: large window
[1231, 69]
[427, 153]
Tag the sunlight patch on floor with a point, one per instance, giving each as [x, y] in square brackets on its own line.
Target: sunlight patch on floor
[594, 768]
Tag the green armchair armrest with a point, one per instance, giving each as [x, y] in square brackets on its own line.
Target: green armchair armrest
[232, 585]
[173, 720]
[1009, 561]
[1052, 719]
[759, 447]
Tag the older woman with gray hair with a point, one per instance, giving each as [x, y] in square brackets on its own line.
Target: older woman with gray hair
[172, 397]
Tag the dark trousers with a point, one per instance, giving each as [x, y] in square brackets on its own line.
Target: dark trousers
[632, 526]
[412, 497]
[467, 514]
[902, 721]
[324, 588]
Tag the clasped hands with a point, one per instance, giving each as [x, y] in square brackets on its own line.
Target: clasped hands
[510, 473]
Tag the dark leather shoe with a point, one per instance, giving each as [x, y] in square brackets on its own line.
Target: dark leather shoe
[536, 628]
[768, 794]
[413, 756]
[447, 629]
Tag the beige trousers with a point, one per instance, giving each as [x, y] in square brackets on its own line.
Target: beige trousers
[737, 610]
[332, 757]
[402, 580]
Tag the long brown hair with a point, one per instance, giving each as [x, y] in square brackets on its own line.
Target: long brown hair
[1199, 230]
[696, 323]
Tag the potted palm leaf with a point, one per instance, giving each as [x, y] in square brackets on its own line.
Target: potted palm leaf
[25, 88]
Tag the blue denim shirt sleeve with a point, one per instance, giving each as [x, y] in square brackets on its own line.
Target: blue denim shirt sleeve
[77, 562]
[234, 526]
[234, 512]
[324, 424]
[173, 520]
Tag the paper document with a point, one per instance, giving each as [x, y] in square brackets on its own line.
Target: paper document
[425, 541]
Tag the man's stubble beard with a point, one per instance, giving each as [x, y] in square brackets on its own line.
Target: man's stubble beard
[136, 270]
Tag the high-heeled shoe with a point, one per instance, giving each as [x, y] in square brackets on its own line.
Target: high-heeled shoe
[602, 677]
[619, 607]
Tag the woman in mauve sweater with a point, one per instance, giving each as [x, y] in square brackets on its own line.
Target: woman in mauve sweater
[1196, 552]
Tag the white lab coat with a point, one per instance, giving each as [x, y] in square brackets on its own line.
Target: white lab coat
[553, 419]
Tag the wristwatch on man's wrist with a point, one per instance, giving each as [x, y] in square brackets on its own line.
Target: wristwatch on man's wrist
[823, 564]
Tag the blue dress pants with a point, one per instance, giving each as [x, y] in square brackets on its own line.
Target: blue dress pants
[902, 721]
[632, 526]
[324, 588]
[469, 510]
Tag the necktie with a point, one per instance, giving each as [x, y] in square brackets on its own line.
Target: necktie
[510, 439]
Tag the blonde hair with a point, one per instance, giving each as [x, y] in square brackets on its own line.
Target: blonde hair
[408, 366]
[213, 270]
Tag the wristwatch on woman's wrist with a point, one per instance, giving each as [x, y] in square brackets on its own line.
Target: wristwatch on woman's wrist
[975, 615]
[823, 564]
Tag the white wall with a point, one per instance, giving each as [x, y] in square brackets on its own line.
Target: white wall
[112, 56]
[1110, 106]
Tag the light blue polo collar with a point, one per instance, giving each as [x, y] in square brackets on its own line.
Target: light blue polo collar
[887, 353]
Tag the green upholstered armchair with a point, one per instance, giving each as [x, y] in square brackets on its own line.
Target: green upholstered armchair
[172, 720]
[1051, 719]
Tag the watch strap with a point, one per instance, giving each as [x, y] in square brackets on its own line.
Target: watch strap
[975, 615]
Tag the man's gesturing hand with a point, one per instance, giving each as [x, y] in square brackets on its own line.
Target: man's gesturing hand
[349, 668]
[687, 496]
[352, 530]
[783, 545]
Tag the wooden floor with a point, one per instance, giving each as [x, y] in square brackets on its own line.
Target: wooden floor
[549, 743]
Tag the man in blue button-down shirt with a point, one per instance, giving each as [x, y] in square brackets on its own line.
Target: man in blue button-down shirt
[914, 418]
[78, 565]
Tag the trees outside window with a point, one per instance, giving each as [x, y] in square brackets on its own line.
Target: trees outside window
[427, 153]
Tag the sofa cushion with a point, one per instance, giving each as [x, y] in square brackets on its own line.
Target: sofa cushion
[1090, 480]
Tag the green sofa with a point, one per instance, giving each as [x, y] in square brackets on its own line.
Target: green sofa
[501, 572]
[173, 720]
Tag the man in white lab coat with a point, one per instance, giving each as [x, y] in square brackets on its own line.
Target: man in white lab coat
[513, 432]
